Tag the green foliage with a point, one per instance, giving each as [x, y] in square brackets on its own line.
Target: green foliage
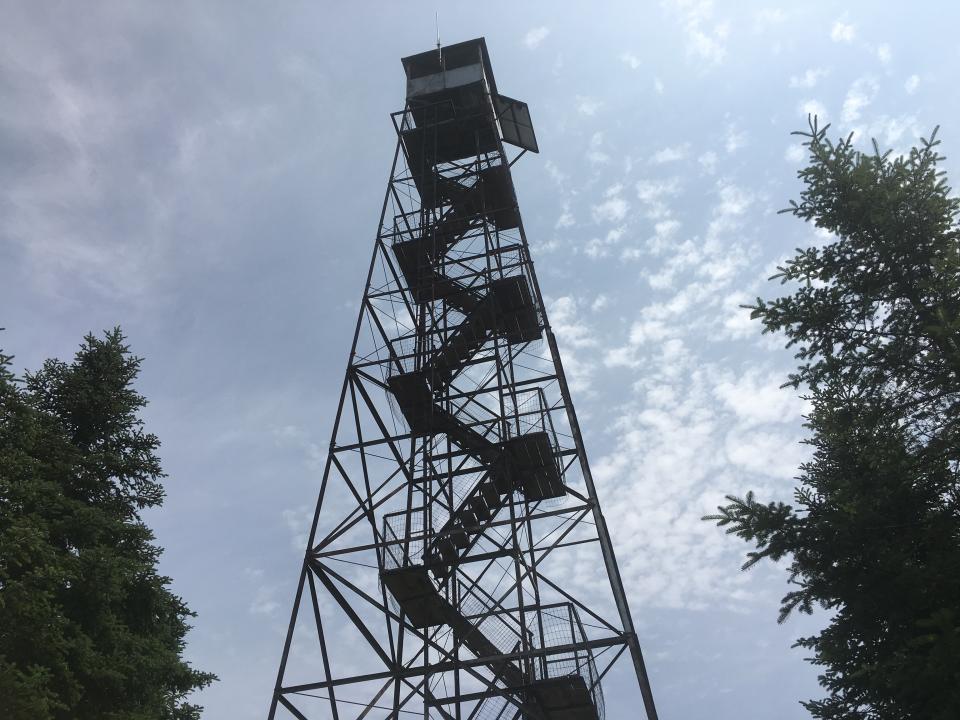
[873, 536]
[88, 629]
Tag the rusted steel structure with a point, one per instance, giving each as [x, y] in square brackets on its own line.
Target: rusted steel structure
[456, 499]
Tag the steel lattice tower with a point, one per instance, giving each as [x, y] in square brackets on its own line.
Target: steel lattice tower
[456, 499]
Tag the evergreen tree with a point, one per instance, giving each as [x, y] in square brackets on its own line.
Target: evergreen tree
[88, 629]
[873, 535]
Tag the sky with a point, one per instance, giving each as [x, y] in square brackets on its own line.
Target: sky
[209, 176]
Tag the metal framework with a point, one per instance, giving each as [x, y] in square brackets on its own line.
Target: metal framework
[456, 499]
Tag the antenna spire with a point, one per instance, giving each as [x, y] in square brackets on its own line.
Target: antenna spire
[436, 20]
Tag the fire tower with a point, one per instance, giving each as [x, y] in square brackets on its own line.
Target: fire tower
[456, 507]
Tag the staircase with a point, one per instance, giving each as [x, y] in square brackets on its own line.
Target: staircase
[525, 462]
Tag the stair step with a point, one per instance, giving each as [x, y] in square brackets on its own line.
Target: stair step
[468, 519]
[512, 304]
[416, 594]
[461, 345]
[441, 571]
[459, 537]
[507, 309]
[490, 494]
[531, 460]
[480, 508]
[425, 282]
[415, 400]
[501, 480]
[447, 549]
[564, 698]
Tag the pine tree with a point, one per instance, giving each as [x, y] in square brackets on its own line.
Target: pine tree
[88, 629]
[873, 535]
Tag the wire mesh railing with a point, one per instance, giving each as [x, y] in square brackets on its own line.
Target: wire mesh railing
[551, 626]
[501, 627]
[559, 625]
[404, 536]
[529, 412]
[495, 707]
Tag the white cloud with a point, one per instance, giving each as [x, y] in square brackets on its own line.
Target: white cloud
[264, 601]
[678, 449]
[298, 521]
[842, 32]
[737, 323]
[765, 18]
[630, 60]
[814, 108]
[595, 248]
[809, 79]
[558, 65]
[535, 36]
[735, 139]
[559, 178]
[670, 154]
[566, 218]
[545, 246]
[893, 129]
[710, 45]
[889, 130]
[664, 232]
[708, 161]
[715, 257]
[795, 153]
[566, 323]
[614, 235]
[859, 96]
[765, 453]
[253, 573]
[691, 429]
[911, 85]
[576, 339]
[731, 206]
[883, 53]
[623, 356]
[600, 247]
[658, 86]
[595, 155]
[653, 194]
[613, 209]
[756, 398]
[709, 431]
[650, 331]
[706, 37]
[588, 105]
[682, 257]
[650, 190]
[292, 435]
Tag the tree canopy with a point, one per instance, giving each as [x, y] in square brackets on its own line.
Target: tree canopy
[88, 628]
[873, 534]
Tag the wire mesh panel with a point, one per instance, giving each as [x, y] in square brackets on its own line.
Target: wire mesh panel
[501, 627]
[404, 535]
[560, 625]
[496, 707]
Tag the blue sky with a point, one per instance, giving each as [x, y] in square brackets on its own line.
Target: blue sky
[209, 176]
